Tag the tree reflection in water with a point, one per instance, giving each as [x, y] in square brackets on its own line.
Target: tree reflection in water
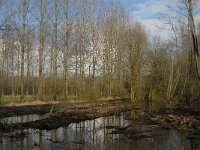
[93, 135]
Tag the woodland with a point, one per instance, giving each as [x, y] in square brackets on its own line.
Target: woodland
[89, 74]
[64, 49]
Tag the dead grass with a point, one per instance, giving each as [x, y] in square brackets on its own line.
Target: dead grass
[108, 98]
[36, 102]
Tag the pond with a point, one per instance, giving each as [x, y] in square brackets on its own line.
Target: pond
[97, 134]
[23, 118]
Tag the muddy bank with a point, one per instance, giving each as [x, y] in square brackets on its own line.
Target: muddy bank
[10, 111]
[61, 119]
[183, 119]
[145, 124]
[41, 109]
[61, 115]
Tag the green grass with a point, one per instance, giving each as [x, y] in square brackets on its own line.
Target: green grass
[4, 100]
[14, 99]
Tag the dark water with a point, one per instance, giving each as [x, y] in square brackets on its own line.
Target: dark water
[91, 135]
[22, 119]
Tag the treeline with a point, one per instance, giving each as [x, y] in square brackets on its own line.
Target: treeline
[53, 49]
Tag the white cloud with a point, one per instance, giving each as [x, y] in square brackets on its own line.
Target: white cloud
[156, 27]
[149, 12]
[152, 8]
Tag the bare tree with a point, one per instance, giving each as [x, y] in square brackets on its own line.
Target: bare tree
[41, 50]
[55, 49]
[136, 46]
[23, 45]
[67, 38]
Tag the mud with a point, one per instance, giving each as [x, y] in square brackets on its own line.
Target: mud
[61, 119]
[61, 115]
[40, 109]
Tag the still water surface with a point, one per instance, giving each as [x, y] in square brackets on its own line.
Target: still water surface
[92, 135]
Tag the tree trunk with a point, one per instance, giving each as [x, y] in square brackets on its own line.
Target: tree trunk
[66, 55]
[23, 47]
[41, 51]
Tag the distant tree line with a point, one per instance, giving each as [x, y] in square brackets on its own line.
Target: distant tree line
[53, 49]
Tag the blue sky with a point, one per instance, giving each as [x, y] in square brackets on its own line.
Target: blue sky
[132, 5]
[148, 11]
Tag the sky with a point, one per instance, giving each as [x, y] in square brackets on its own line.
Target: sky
[149, 12]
